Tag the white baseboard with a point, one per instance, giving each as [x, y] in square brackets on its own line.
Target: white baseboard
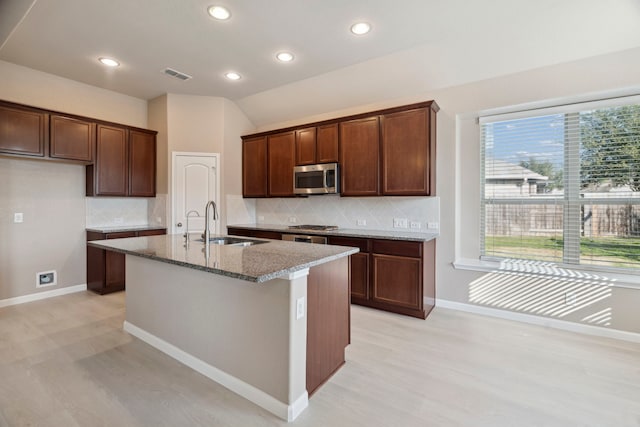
[249, 392]
[542, 321]
[42, 295]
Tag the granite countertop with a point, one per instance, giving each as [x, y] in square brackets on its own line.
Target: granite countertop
[255, 263]
[123, 228]
[345, 232]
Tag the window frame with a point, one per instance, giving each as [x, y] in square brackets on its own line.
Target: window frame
[571, 200]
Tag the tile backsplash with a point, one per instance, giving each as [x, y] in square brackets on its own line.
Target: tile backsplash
[116, 211]
[350, 212]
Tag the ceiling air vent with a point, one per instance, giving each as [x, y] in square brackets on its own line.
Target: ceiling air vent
[176, 74]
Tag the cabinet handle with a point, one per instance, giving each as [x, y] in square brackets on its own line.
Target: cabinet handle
[179, 224]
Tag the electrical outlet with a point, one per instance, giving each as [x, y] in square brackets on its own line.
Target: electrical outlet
[415, 224]
[293, 219]
[300, 308]
[18, 217]
[361, 222]
[570, 298]
[433, 225]
[399, 222]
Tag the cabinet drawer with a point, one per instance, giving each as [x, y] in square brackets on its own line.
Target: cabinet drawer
[362, 244]
[260, 234]
[151, 232]
[397, 247]
[120, 235]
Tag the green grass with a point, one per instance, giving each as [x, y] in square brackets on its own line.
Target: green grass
[622, 251]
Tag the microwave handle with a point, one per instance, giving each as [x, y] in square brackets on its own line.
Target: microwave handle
[324, 178]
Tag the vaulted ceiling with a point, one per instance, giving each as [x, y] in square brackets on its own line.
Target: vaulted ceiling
[445, 42]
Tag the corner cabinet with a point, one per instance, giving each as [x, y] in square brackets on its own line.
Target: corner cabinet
[125, 163]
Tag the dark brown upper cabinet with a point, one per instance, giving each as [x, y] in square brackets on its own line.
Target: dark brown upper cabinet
[23, 130]
[406, 153]
[281, 160]
[317, 145]
[254, 167]
[71, 138]
[360, 157]
[390, 152]
[125, 163]
[112, 158]
[142, 163]
[306, 146]
[327, 143]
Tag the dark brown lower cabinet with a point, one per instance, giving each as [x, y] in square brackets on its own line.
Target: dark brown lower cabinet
[106, 269]
[392, 275]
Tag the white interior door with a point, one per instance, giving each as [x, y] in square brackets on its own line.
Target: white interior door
[196, 179]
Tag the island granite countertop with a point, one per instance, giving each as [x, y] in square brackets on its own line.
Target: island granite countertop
[255, 263]
[346, 232]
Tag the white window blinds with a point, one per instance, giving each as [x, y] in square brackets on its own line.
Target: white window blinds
[563, 184]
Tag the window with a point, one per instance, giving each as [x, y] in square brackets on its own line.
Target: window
[563, 185]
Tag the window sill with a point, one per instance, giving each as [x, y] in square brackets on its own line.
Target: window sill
[606, 278]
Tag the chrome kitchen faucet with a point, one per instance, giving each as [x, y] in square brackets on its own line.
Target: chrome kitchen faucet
[207, 232]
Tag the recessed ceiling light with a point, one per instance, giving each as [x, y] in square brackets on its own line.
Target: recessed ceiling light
[233, 75]
[219, 12]
[284, 56]
[109, 62]
[360, 28]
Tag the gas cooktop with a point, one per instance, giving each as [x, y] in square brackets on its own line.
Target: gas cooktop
[313, 227]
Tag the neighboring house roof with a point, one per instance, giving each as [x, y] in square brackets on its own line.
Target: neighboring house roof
[499, 169]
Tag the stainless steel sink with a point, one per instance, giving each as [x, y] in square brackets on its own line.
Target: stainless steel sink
[232, 241]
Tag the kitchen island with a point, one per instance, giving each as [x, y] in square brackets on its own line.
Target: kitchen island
[267, 319]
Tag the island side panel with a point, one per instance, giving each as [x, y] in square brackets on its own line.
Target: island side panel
[247, 330]
[328, 323]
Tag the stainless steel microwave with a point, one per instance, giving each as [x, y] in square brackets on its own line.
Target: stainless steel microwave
[316, 179]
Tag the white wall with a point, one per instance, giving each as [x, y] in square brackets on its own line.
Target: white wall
[458, 144]
[50, 195]
[203, 124]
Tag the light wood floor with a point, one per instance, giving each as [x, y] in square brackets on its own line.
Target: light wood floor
[66, 362]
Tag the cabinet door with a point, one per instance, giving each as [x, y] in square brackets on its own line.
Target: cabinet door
[142, 163]
[281, 154]
[405, 153]
[360, 157]
[327, 144]
[254, 167]
[397, 281]
[145, 233]
[306, 146]
[111, 161]
[359, 272]
[71, 138]
[358, 266]
[22, 131]
[115, 272]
